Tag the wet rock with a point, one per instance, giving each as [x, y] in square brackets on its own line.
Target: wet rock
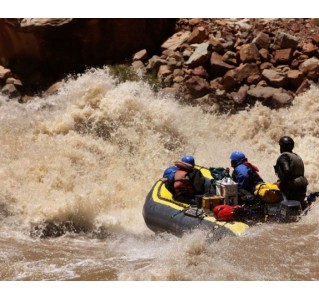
[281, 99]
[310, 66]
[50, 229]
[305, 85]
[53, 89]
[138, 67]
[197, 86]
[11, 91]
[164, 71]
[240, 96]
[154, 63]
[262, 93]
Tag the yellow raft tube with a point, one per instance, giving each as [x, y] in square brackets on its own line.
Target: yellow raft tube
[162, 214]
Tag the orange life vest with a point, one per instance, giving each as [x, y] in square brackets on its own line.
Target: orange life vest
[182, 183]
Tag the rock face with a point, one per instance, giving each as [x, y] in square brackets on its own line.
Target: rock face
[40, 51]
[236, 62]
[231, 62]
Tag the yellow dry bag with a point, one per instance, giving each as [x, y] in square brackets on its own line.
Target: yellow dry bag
[268, 192]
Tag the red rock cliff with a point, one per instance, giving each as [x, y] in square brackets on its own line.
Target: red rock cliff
[40, 51]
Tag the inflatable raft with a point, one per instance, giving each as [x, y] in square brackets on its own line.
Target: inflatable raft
[163, 214]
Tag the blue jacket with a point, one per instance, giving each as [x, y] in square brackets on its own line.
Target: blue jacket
[246, 177]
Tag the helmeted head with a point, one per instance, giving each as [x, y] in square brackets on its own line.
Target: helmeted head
[237, 157]
[170, 172]
[188, 159]
[286, 144]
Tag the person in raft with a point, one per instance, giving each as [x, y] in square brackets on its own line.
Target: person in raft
[246, 175]
[169, 173]
[290, 170]
[187, 182]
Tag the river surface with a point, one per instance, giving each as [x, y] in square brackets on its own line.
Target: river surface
[88, 156]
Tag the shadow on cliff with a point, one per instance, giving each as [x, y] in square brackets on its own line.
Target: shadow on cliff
[42, 51]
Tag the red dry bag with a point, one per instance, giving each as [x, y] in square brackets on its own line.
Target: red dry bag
[224, 212]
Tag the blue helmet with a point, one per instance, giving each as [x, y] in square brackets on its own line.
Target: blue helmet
[237, 156]
[188, 159]
[170, 172]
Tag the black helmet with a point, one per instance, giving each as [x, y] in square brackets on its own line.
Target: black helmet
[286, 143]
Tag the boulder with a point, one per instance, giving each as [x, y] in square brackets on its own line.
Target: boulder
[283, 56]
[198, 36]
[310, 66]
[270, 95]
[218, 66]
[140, 55]
[262, 40]
[274, 78]
[248, 53]
[285, 40]
[175, 41]
[237, 75]
[200, 56]
[197, 86]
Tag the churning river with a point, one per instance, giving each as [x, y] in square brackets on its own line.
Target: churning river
[88, 156]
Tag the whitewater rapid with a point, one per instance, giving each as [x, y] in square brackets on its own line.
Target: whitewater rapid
[90, 153]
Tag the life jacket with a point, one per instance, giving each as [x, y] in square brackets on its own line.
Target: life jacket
[296, 164]
[296, 179]
[182, 183]
[254, 177]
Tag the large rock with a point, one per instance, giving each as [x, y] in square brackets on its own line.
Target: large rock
[200, 55]
[272, 96]
[310, 68]
[249, 53]
[175, 41]
[218, 66]
[41, 51]
[237, 75]
[274, 77]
